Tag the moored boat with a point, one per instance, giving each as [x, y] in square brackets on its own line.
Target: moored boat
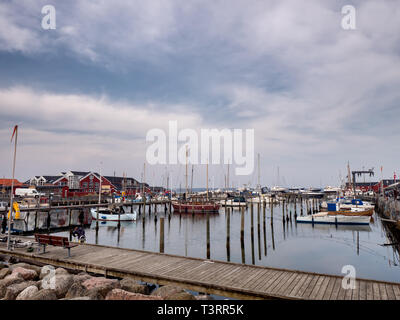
[195, 207]
[336, 209]
[106, 214]
[234, 202]
[326, 218]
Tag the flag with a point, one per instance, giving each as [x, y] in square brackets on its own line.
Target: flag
[15, 130]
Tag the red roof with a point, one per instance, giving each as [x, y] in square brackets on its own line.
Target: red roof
[7, 182]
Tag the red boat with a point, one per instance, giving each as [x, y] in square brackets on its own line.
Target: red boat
[195, 207]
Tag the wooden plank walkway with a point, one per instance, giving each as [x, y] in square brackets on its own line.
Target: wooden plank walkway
[210, 276]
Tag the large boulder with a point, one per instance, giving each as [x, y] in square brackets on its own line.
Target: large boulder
[204, 297]
[59, 283]
[62, 284]
[8, 281]
[181, 296]
[26, 274]
[26, 266]
[44, 294]
[61, 271]
[131, 285]
[76, 290]
[80, 298]
[14, 290]
[81, 277]
[4, 272]
[27, 293]
[101, 285]
[118, 294]
[167, 291]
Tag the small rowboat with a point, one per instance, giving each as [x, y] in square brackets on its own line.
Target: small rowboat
[326, 218]
[110, 215]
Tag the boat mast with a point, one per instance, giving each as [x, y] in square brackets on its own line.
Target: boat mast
[12, 185]
[227, 178]
[186, 172]
[258, 185]
[100, 185]
[207, 181]
[144, 178]
[191, 182]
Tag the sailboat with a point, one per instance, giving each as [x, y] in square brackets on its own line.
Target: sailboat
[199, 205]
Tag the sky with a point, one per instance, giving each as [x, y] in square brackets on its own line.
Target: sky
[86, 93]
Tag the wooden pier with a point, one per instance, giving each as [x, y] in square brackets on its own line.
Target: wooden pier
[209, 276]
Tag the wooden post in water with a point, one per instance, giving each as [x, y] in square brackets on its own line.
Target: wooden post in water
[272, 212]
[259, 231]
[264, 232]
[283, 212]
[252, 235]
[242, 235]
[208, 235]
[162, 235]
[228, 234]
[301, 205]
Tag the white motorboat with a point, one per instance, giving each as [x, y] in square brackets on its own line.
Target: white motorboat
[326, 218]
[347, 204]
[235, 202]
[278, 189]
[106, 214]
[262, 199]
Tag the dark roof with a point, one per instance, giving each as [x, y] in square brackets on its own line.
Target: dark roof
[51, 179]
[80, 173]
[113, 179]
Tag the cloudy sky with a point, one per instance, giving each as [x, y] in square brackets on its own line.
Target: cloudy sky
[86, 93]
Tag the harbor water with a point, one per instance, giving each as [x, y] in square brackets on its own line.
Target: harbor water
[265, 241]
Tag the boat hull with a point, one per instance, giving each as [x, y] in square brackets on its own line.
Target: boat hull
[335, 219]
[195, 208]
[113, 217]
[353, 212]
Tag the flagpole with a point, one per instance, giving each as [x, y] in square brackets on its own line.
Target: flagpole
[12, 189]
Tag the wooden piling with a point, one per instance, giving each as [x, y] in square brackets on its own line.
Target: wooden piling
[228, 234]
[162, 235]
[208, 236]
[242, 235]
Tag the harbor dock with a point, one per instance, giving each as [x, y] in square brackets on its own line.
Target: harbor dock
[209, 276]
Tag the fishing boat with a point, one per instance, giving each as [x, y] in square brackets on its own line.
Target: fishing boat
[355, 203]
[195, 207]
[110, 214]
[196, 204]
[326, 218]
[234, 202]
[335, 208]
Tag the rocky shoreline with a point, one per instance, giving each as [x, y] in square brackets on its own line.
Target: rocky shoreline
[24, 281]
